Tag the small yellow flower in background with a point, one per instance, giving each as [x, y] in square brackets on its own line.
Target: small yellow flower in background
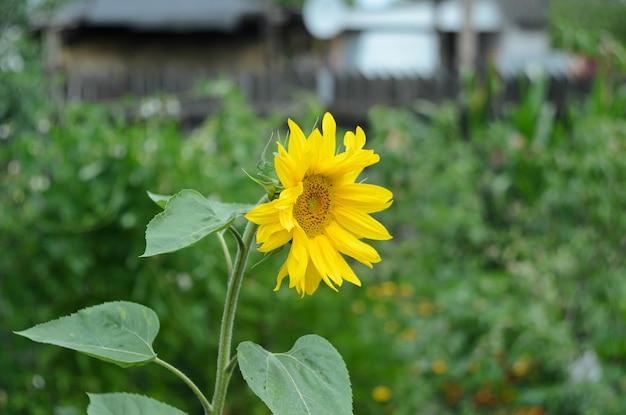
[358, 307]
[409, 335]
[388, 289]
[381, 393]
[391, 327]
[321, 210]
[426, 308]
[406, 290]
[440, 367]
[521, 366]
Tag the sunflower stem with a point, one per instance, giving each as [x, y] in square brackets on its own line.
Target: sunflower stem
[224, 368]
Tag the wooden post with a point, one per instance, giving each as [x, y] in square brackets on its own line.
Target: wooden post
[467, 40]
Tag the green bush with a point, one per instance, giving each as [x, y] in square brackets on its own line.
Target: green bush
[510, 241]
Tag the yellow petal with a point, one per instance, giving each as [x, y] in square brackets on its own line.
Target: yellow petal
[367, 198]
[289, 171]
[298, 257]
[285, 217]
[297, 140]
[351, 163]
[361, 224]
[321, 253]
[329, 129]
[281, 275]
[311, 281]
[347, 273]
[284, 205]
[349, 140]
[277, 240]
[262, 214]
[348, 244]
[354, 142]
[267, 230]
[289, 196]
[315, 143]
[329, 262]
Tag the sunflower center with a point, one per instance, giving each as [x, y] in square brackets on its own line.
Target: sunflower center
[313, 206]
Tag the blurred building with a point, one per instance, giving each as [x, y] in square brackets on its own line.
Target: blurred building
[381, 38]
[374, 52]
[395, 52]
[109, 48]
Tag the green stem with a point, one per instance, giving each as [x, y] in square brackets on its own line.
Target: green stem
[232, 364]
[203, 400]
[222, 376]
[229, 261]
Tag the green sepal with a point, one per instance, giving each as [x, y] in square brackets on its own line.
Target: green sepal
[271, 186]
[268, 255]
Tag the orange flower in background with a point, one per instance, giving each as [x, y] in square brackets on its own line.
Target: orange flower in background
[322, 210]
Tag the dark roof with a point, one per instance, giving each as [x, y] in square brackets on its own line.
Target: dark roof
[532, 13]
[158, 15]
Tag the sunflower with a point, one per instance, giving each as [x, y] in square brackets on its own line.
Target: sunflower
[321, 210]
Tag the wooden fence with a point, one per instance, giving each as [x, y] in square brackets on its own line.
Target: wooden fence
[350, 95]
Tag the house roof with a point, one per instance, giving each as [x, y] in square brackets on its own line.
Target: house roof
[161, 15]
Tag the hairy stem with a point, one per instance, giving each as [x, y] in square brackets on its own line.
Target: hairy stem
[224, 370]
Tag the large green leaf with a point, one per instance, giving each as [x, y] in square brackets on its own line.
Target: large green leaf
[187, 218]
[119, 332]
[127, 404]
[310, 379]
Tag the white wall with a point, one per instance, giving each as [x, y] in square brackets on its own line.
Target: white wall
[523, 43]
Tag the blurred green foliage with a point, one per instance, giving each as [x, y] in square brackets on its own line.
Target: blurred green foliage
[509, 254]
[504, 282]
[599, 17]
[593, 29]
[73, 219]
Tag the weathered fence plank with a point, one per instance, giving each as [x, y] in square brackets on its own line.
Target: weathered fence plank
[351, 93]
